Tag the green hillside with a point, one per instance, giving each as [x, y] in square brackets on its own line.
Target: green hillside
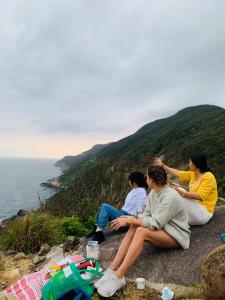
[71, 164]
[103, 176]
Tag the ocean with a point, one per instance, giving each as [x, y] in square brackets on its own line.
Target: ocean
[20, 181]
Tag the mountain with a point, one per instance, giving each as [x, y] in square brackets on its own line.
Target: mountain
[73, 161]
[102, 176]
[71, 164]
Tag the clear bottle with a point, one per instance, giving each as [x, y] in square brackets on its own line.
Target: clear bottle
[92, 250]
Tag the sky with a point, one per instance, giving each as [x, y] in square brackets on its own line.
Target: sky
[78, 73]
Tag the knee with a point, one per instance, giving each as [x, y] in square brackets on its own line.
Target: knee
[105, 206]
[140, 232]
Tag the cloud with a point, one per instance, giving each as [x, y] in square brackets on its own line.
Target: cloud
[89, 67]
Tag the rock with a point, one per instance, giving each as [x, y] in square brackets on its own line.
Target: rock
[213, 274]
[45, 248]
[55, 254]
[6, 296]
[38, 259]
[181, 267]
[19, 256]
[11, 275]
[21, 213]
[30, 256]
[70, 243]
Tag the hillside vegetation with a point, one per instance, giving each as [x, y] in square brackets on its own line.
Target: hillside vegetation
[103, 175]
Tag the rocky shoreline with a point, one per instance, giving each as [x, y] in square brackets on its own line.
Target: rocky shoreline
[53, 183]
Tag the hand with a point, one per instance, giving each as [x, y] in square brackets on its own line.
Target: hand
[157, 161]
[119, 222]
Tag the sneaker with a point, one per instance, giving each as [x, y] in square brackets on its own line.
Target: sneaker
[111, 286]
[99, 236]
[104, 278]
[91, 232]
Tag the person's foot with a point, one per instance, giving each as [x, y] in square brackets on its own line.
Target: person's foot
[91, 232]
[104, 278]
[111, 286]
[99, 236]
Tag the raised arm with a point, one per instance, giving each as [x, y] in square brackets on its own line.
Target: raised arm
[170, 170]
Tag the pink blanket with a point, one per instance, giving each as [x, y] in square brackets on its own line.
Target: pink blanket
[29, 287]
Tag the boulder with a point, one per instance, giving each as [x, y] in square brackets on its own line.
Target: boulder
[213, 274]
[38, 259]
[21, 213]
[70, 243]
[19, 256]
[45, 248]
[160, 266]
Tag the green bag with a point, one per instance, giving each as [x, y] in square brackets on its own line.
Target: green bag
[70, 278]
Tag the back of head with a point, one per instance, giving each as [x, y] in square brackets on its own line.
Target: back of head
[158, 174]
[138, 178]
[200, 161]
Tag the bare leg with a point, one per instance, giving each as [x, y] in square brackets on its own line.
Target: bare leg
[158, 238]
[123, 248]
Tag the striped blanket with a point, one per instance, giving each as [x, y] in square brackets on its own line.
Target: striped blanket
[29, 286]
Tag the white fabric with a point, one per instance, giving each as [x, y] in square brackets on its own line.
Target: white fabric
[197, 213]
[135, 201]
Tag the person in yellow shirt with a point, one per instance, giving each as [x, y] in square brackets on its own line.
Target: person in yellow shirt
[202, 196]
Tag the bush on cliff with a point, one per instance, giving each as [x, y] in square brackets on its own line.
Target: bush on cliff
[73, 226]
[28, 233]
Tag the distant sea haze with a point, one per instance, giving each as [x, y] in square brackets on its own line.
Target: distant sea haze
[20, 181]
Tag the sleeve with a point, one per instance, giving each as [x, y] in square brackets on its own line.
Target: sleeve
[163, 214]
[184, 176]
[207, 185]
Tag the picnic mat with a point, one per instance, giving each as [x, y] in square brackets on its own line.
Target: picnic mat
[29, 287]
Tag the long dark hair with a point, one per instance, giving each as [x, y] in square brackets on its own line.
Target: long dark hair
[200, 161]
[139, 178]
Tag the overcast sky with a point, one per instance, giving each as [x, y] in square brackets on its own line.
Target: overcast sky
[77, 73]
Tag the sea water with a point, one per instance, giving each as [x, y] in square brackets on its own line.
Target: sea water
[20, 181]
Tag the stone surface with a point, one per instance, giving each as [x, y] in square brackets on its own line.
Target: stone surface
[213, 274]
[11, 269]
[11, 274]
[130, 292]
[38, 259]
[55, 255]
[70, 243]
[21, 213]
[19, 256]
[169, 266]
[6, 296]
[45, 248]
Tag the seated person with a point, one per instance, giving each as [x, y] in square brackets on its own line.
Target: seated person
[134, 203]
[164, 224]
[202, 196]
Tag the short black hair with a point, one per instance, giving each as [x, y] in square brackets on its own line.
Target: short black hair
[158, 174]
[139, 178]
[200, 161]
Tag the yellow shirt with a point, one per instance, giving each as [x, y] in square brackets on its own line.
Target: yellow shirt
[205, 187]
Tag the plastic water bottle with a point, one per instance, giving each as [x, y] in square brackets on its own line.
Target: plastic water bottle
[92, 250]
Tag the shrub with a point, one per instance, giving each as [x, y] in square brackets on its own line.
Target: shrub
[90, 222]
[73, 226]
[28, 233]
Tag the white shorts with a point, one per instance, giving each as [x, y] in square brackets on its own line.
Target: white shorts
[197, 213]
